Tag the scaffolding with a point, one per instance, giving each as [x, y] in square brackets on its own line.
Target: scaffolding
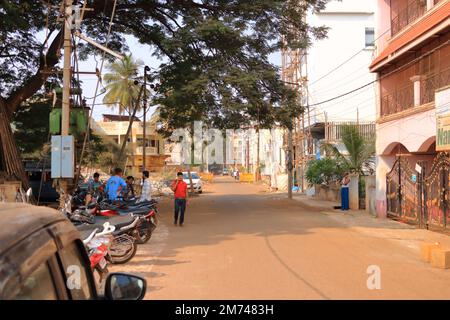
[295, 75]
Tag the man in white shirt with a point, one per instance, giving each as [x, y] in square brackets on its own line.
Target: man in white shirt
[146, 194]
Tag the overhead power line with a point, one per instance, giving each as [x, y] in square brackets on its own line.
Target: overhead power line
[349, 59]
[383, 76]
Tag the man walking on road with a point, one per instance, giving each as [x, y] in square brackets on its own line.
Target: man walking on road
[179, 188]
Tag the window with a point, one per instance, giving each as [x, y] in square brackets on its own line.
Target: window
[75, 269]
[370, 37]
[38, 286]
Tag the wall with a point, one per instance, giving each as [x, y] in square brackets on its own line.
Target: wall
[383, 25]
[371, 194]
[405, 131]
[347, 21]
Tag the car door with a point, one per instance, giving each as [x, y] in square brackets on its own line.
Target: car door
[76, 271]
[44, 283]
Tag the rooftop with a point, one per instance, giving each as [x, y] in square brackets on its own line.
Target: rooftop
[117, 117]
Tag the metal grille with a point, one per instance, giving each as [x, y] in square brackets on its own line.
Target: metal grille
[412, 11]
[436, 193]
[423, 200]
[433, 82]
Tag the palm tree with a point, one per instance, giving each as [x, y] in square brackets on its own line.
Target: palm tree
[360, 151]
[122, 92]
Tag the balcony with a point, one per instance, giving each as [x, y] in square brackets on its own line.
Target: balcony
[403, 99]
[149, 151]
[398, 100]
[431, 83]
[410, 12]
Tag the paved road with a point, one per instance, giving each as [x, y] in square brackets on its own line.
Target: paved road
[239, 243]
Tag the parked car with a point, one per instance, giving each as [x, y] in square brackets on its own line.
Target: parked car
[43, 258]
[225, 172]
[196, 181]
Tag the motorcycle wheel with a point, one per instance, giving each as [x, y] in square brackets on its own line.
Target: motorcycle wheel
[123, 249]
[144, 232]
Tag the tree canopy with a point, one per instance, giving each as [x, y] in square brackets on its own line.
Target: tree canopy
[215, 52]
[215, 56]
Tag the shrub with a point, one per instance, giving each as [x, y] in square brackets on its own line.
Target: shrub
[323, 171]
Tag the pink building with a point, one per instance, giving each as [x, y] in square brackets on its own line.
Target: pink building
[412, 63]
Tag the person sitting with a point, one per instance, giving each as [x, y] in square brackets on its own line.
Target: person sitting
[93, 187]
[146, 194]
[128, 192]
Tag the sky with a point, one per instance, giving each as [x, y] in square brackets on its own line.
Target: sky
[139, 51]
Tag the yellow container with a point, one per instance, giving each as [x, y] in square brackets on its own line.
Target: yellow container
[246, 177]
[208, 177]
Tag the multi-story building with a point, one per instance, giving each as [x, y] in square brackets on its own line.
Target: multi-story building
[412, 64]
[338, 63]
[116, 126]
[328, 68]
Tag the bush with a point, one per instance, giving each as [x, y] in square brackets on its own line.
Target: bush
[323, 171]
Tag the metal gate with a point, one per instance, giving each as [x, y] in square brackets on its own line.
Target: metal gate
[436, 189]
[421, 199]
[403, 192]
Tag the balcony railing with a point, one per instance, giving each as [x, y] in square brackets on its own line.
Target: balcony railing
[398, 100]
[413, 10]
[334, 130]
[148, 151]
[431, 83]
[403, 99]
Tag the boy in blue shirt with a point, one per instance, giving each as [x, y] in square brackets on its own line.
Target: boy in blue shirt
[115, 184]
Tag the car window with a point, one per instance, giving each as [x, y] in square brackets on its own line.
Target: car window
[38, 285]
[193, 175]
[75, 272]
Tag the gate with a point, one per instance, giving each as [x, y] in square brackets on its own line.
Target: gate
[436, 197]
[421, 199]
[403, 192]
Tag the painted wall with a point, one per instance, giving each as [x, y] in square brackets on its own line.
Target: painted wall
[347, 20]
[415, 132]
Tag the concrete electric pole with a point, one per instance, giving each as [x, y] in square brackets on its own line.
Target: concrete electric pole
[67, 75]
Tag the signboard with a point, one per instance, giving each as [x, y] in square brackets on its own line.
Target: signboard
[442, 101]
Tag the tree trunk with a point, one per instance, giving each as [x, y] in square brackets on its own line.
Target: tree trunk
[124, 142]
[10, 153]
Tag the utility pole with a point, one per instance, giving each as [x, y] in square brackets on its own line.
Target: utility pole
[144, 149]
[67, 75]
[289, 162]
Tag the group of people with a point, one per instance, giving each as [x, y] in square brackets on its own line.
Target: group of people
[116, 188]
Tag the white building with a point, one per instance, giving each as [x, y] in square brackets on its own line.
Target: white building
[340, 63]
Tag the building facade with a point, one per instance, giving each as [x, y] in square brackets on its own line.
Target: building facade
[338, 63]
[115, 127]
[412, 64]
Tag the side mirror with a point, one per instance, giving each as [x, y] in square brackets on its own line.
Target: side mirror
[122, 286]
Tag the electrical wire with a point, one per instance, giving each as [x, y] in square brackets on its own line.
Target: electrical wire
[349, 59]
[96, 90]
[384, 75]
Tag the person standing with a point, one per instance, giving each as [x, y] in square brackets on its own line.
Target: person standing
[179, 188]
[115, 185]
[345, 192]
[146, 194]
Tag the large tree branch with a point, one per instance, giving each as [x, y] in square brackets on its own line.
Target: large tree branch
[38, 79]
